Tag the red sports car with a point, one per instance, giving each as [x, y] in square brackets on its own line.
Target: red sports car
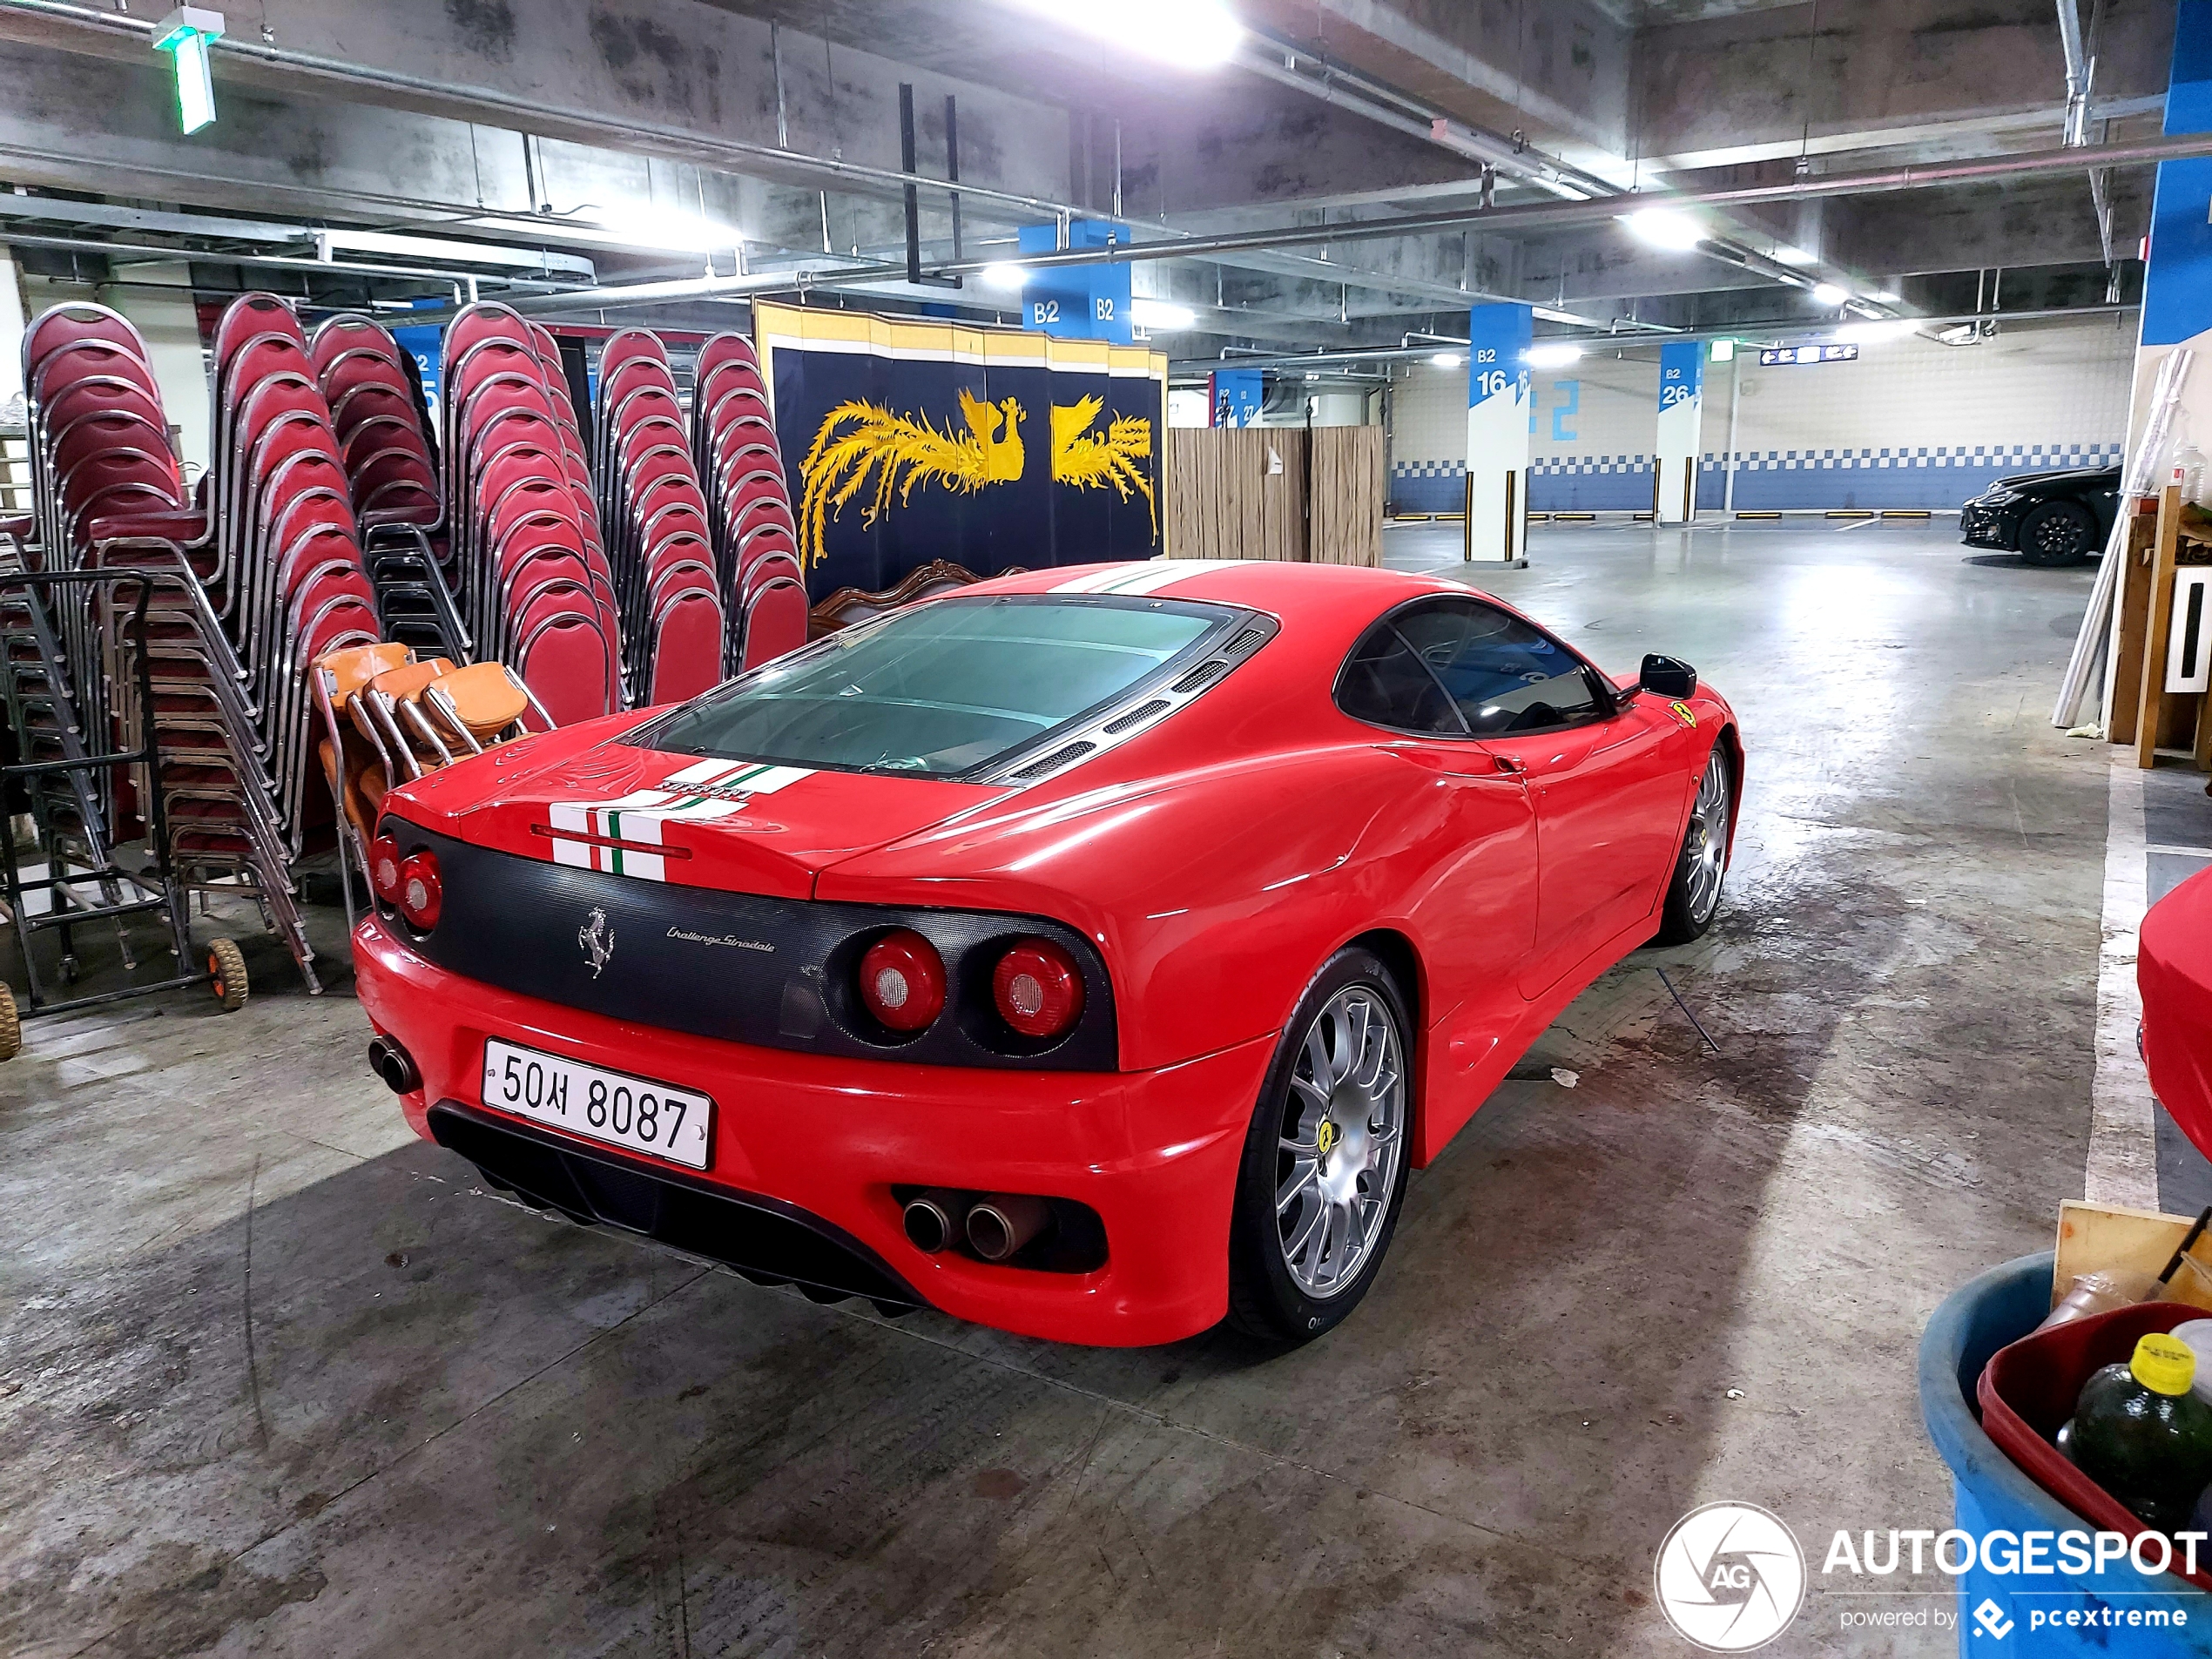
[1089, 953]
[2174, 969]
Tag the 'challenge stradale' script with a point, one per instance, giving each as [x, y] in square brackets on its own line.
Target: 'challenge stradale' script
[731, 940]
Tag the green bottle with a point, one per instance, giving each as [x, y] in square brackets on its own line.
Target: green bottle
[2140, 1434]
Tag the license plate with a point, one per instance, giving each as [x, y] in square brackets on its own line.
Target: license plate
[634, 1113]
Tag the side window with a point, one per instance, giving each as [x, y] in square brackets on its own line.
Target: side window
[1503, 675]
[1385, 684]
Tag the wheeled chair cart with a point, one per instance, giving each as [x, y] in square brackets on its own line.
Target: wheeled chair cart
[67, 783]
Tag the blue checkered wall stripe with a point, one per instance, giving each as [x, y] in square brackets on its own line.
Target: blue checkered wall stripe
[1932, 476]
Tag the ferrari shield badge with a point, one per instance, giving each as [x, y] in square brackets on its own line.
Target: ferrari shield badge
[1683, 712]
[596, 938]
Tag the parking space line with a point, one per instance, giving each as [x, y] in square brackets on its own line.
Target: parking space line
[2123, 1141]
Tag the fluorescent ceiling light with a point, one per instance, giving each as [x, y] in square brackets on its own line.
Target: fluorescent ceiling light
[184, 33]
[1552, 355]
[1448, 359]
[1158, 314]
[1724, 351]
[1186, 34]
[642, 224]
[1793, 256]
[1885, 297]
[1002, 276]
[1663, 227]
[1827, 293]
[1867, 333]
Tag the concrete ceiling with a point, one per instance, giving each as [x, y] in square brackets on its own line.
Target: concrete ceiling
[1326, 118]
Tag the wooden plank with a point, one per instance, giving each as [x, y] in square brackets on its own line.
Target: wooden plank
[2133, 605]
[2151, 704]
[2097, 1238]
[1350, 468]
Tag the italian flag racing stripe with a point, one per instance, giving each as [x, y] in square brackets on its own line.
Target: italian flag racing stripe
[1149, 577]
[699, 793]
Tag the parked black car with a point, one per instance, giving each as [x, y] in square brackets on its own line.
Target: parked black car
[2046, 517]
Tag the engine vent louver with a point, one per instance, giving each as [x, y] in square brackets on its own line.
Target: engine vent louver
[1212, 669]
[1145, 709]
[1067, 754]
[1136, 716]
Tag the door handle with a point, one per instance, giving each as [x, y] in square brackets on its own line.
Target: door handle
[1510, 764]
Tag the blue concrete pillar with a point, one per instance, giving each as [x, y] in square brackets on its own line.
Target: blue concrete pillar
[1681, 416]
[1235, 395]
[1078, 301]
[1497, 479]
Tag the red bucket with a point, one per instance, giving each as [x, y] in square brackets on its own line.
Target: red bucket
[2027, 1392]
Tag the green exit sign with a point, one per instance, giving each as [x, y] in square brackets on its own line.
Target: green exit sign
[185, 34]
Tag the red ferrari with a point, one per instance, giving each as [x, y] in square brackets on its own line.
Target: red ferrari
[1089, 953]
[2174, 970]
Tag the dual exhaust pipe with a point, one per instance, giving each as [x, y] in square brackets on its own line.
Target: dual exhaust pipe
[996, 1225]
[395, 1065]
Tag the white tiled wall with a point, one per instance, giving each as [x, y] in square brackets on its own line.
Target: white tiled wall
[1911, 423]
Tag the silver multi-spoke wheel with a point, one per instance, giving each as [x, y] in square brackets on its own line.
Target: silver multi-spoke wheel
[1705, 853]
[1342, 1135]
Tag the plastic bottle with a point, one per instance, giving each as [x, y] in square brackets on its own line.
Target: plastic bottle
[2099, 1293]
[2188, 471]
[2198, 1334]
[2139, 1433]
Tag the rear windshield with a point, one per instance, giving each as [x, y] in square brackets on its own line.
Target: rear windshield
[944, 688]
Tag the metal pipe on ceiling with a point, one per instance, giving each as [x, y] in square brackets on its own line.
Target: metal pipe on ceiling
[2079, 70]
[1246, 358]
[2140, 153]
[264, 261]
[530, 114]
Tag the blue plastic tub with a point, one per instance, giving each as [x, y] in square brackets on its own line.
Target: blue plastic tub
[2002, 1305]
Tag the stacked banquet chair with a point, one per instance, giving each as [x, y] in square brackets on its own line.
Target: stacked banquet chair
[756, 539]
[659, 539]
[387, 717]
[100, 446]
[523, 535]
[245, 590]
[392, 472]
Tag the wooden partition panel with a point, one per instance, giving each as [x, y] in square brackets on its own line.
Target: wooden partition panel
[1276, 493]
[1349, 484]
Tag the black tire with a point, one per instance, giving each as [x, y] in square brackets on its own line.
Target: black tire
[226, 975]
[1689, 911]
[1265, 1301]
[2058, 532]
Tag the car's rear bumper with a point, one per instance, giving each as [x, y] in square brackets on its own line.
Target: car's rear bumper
[821, 1141]
[2174, 970]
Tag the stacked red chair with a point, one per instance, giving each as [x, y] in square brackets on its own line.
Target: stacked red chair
[288, 582]
[659, 538]
[756, 540]
[391, 467]
[264, 576]
[390, 461]
[530, 571]
[100, 446]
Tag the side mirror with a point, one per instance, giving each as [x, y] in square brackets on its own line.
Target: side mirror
[1668, 677]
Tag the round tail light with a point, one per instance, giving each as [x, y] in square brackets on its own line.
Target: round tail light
[384, 868]
[420, 895]
[1038, 989]
[902, 981]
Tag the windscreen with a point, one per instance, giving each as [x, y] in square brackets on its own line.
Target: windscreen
[942, 688]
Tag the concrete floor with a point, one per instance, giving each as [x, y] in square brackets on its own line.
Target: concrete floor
[276, 1378]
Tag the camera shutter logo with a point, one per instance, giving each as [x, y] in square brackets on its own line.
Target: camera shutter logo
[1729, 1577]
